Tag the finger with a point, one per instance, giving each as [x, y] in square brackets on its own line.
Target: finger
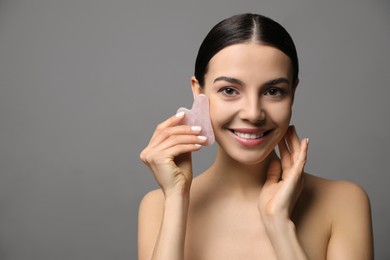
[299, 164]
[302, 157]
[170, 122]
[175, 140]
[274, 172]
[293, 140]
[284, 154]
[163, 134]
[173, 120]
[162, 156]
[181, 149]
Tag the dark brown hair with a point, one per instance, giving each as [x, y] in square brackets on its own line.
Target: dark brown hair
[241, 29]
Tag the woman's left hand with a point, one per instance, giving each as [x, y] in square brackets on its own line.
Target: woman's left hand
[284, 181]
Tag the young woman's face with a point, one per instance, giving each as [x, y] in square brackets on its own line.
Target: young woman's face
[251, 94]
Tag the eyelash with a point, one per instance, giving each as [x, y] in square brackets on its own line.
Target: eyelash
[225, 89]
[281, 92]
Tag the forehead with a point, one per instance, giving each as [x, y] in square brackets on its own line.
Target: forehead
[250, 61]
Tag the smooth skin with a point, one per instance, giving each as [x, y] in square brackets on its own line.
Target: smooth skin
[250, 204]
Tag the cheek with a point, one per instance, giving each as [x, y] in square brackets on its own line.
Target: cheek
[280, 114]
[216, 114]
[221, 112]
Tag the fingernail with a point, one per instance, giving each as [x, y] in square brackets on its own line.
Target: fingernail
[180, 114]
[199, 145]
[196, 128]
[307, 140]
[201, 137]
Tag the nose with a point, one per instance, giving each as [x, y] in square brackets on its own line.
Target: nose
[252, 110]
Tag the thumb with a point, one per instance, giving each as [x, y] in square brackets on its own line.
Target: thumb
[184, 162]
[274, 173]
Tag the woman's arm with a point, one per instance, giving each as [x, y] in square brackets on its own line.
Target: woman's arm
[284, 239]
[279, 194]
[163, 214]
[351, 233]
[162, 226]
[351, 228]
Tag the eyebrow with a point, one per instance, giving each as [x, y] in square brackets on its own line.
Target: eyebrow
[230, 80]
[239, 82]
[276, 81]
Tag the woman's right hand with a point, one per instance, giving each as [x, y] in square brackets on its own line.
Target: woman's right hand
[168, 154]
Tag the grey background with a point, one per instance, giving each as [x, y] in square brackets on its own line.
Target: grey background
[83, 84]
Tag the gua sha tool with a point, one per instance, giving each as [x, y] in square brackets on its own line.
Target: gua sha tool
[199, 116]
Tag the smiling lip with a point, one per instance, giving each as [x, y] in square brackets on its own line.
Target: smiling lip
[249, 137]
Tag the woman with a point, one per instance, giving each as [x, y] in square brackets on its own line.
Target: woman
[250, 204]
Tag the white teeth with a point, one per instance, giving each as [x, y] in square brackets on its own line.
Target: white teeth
[248, 136]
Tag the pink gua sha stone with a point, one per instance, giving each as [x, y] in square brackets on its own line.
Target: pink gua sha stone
[199, 116]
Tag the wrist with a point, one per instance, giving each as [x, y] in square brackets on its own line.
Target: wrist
[278, 225]
[178, 200]
[283, 237]
[177, 193]
[177, 188]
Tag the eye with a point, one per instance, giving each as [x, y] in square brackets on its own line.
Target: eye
[228, 91]
[275, 92]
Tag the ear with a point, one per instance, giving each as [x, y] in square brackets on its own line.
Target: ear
[196, 88]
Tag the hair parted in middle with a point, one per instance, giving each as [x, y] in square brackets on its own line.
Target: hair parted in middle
[245, 28]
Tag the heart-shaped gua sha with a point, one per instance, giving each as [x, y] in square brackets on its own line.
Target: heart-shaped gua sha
[199, 116]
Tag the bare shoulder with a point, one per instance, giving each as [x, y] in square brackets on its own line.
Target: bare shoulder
[149, 220]
[338, 192]
[345, 207]
[152, 198]
[151, 204]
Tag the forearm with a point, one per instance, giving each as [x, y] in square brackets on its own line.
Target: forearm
[171, 239]
[284, 239]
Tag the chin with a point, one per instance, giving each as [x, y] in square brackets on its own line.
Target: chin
[246, 157]
[252, 159]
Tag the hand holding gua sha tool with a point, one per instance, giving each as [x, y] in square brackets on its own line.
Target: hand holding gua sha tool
[199, 116]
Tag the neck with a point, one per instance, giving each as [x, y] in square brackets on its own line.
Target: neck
[240, 178]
